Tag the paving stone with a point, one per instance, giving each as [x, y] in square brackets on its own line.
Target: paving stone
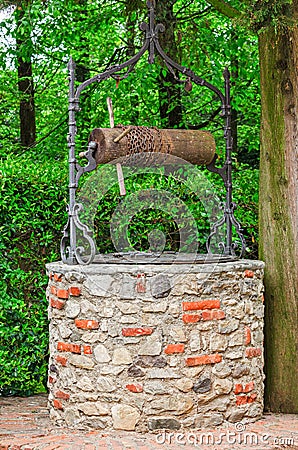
[38, 432]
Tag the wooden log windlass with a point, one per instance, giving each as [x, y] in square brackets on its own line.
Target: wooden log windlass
[193, 146]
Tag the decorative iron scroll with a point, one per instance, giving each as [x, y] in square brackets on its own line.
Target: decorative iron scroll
[71, 251]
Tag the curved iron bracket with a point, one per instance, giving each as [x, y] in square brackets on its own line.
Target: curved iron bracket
[72, 253]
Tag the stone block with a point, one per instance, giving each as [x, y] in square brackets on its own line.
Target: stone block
[184, 384]
[93, 408]
[72, 309]
[125, 417]
[105, 384]
[99, 285]
[86, 384]
[202, 386]
[161, 423]
[101, 354]
[151, 346]
[177, 405]
[83, 362]
[163, 373]
[121, 356]
[160, 286]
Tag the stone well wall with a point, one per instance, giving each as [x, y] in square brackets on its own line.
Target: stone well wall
[138, 347]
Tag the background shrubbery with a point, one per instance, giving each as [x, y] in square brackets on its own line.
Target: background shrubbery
[32, 212]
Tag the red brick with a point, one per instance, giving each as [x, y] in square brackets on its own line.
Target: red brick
[252, 352]
[204, 304]
[56, 303]
[143, 331]
[203, 359]
[249, 274]
[87, 324]
[251, 398]
[241, 400]
[249, 387]
[213, 315]
[191, 318]
[62, 293]
[238, 388]
[87, 350]
[247, 335]
[66, 347]
[174, 348]
[53, 290]
[58, 277]
[61, 360]
[141, 283]
[57, 404]
[134, 387]
[61, 394]
[75, 291]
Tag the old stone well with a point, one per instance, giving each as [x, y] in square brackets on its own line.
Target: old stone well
[138, 347]
[169, 341]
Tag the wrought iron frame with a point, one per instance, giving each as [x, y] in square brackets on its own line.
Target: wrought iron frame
[73, 254]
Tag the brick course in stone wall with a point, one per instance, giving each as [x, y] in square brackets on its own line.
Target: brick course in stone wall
[138, 347]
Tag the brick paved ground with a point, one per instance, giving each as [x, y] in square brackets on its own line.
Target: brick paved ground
[25, 425]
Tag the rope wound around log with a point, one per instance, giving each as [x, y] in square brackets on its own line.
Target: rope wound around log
[150, 145]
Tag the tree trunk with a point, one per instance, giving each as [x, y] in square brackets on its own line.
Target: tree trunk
[25, 84]
[169, 89]
[279, 213]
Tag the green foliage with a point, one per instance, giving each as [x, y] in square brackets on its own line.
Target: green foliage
[23, 342]
[187, 200]
[32, 209]
[269, 13]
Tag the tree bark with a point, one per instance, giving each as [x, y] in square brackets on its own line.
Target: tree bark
[169, 89]
[279, 213]
[25, 84]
